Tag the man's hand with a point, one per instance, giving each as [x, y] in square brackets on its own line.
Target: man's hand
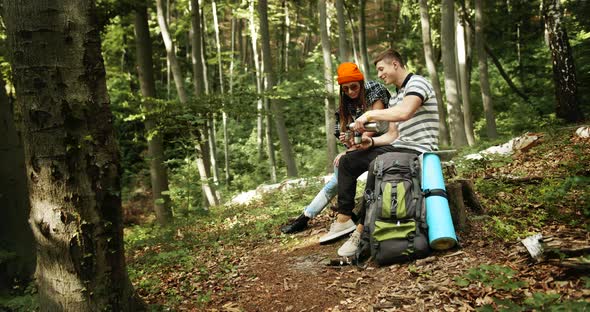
[366, 143]
[359, 123]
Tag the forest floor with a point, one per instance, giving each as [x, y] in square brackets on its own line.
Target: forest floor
[241, 262]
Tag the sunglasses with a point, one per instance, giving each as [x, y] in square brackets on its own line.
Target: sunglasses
[352, 88]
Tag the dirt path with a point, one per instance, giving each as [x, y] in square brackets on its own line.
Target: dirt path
[297, 279]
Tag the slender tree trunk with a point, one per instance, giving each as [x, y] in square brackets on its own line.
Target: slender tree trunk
[72, 160]
[222, 88]
[482, 63]
[231, 91]
[329, 87]
[564, 70]
[15, 234]
[200, 86]
[499, 66]
[464, 78]
[170, 55]
[355, 48]
[179, 82]
[342, 44]
[158, 171]
[196, 60]
[287, 35]
[430, 65]
[392, 14]
[286, 149]
[259, 102]
[208, 146]
[456, 123]
[203, 52]
[363, 40]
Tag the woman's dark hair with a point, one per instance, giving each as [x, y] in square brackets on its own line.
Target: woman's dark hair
[344, 107]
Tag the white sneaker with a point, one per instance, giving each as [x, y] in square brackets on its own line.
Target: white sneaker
[350, 247]
[338, 230]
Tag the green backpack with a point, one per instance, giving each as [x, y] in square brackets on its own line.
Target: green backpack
[395, 227]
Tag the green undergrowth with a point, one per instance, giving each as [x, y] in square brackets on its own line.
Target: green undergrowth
[198, 254]
[555, 186]
[20, 298]
[511, 293]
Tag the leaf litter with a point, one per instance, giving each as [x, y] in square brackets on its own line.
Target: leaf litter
[272, 276]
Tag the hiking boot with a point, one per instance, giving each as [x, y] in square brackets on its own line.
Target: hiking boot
[350, 247]
[296, 225]
[338, 230]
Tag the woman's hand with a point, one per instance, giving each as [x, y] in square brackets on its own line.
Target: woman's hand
[337, 159]
[342, 138]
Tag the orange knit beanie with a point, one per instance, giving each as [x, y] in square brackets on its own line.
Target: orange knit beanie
[349, 72]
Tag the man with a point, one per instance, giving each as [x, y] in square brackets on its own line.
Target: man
[414, 109]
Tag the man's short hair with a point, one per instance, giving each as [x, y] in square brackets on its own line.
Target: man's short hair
[389, 54]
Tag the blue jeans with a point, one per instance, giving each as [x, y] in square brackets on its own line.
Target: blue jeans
[322, 199]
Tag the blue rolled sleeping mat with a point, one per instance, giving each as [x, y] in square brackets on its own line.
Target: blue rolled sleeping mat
[441, 232]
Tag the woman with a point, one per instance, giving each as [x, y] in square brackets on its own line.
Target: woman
[356, 97]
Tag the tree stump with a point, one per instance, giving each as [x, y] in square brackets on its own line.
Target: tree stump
[469, 196]
[456, 205]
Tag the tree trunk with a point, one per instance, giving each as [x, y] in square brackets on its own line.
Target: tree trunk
[287, 33]
[430, 65]
[179, 82]
[170, 55]
[15, 235]
[392, 14]
[222, 88]
[196, 49]
[329, 87]
[286, 149]
[457, 132]
[464, 77]
[158, 172]
[564, 71]
[355, 49]
[343, 52]
[363, 40]
[71, 156]
[259, 103]
[482, 64]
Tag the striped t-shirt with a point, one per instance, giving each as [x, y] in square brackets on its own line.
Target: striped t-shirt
[420, 132]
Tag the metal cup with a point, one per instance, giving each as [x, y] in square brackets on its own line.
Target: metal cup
[357, 138]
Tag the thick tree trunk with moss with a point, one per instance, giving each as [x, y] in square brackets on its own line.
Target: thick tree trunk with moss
[71, 157]
[158, 171]
[15, 236]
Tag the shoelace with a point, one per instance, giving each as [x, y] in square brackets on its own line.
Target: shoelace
[355, 239]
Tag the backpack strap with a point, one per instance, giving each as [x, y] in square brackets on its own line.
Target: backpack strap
[378, 171]
[435, 192]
